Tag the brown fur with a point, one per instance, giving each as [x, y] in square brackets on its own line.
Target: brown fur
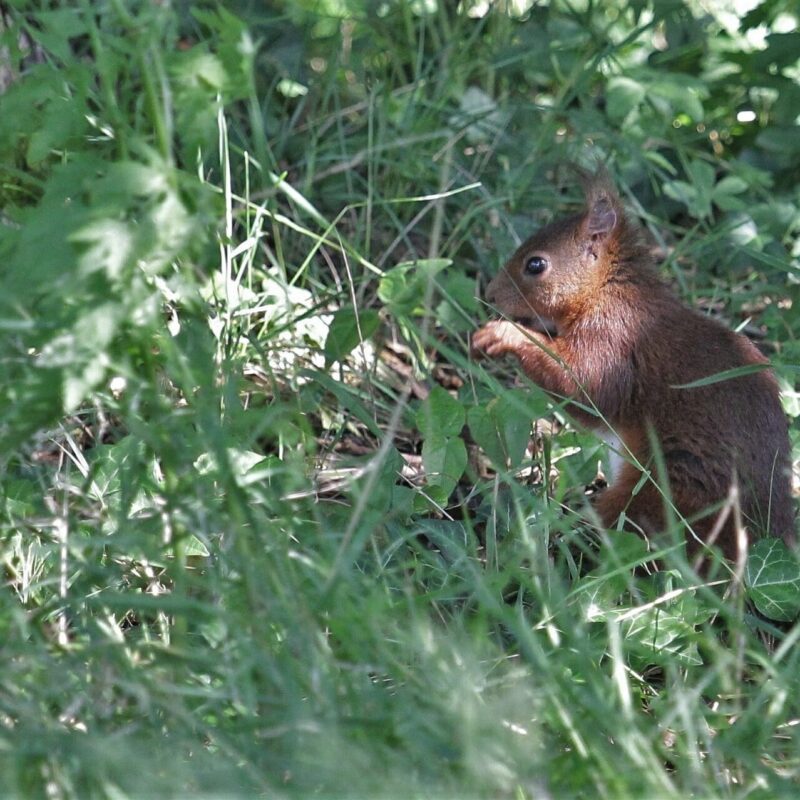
[622, 342]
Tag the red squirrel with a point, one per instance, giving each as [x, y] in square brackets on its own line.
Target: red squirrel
[589, 319]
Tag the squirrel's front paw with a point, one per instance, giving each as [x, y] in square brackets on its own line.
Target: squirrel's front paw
[498, 337]
[485, 341]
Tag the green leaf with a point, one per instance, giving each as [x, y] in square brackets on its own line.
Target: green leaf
[449, 537]
[479, 115]
[623, 97]
[682, 192]
[781, 51]
[106, 244]
[82, 351]
[661, 635]
[730, 184]
[702, 173]
[625, 548]
[108, 464]
[347, 330]
[502, 429]
[726, 191]
[199, 70]
[780, 140]
[440, 414]
[347, 398]
[682, 99]
[772, 577]
[61, 123]
[382, 488]
[459, 305]
[20, 498]
[194, 547]
[483, 427]
[445, 460]
[405, 288]
[699, 194]
[58, 27]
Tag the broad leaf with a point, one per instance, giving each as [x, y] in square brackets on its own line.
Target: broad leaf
[445, 460]
[347, 330]
[772, 576]
[440, 415]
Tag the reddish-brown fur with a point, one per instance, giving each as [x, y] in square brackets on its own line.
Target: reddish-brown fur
[599, 326]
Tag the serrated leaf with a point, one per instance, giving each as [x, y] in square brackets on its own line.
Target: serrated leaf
[772, 577]
[61, 122]
[106, 244]
[59, 27]
[81, 351]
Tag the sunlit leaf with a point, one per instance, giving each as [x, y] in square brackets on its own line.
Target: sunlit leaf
[772, 575]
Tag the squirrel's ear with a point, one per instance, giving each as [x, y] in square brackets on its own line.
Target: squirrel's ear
[603, 206]
[602, 216]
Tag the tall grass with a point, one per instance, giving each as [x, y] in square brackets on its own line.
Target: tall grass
[248, 548]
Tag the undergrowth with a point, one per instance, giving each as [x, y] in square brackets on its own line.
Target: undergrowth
[266, 529]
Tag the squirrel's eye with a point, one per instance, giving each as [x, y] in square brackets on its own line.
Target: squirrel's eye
[535, 265]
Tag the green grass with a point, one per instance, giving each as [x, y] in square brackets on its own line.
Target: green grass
[266, 530]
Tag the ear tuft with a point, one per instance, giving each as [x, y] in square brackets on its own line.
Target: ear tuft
[604, 210]
[602, 217]
[603, 206]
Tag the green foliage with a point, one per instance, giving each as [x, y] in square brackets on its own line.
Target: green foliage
[444, 455]
[773, 580]
[348, 329]
[239, 245]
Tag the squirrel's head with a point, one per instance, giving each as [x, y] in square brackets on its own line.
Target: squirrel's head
[553, 275]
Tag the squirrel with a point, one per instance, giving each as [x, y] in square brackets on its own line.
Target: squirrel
[590, 320]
